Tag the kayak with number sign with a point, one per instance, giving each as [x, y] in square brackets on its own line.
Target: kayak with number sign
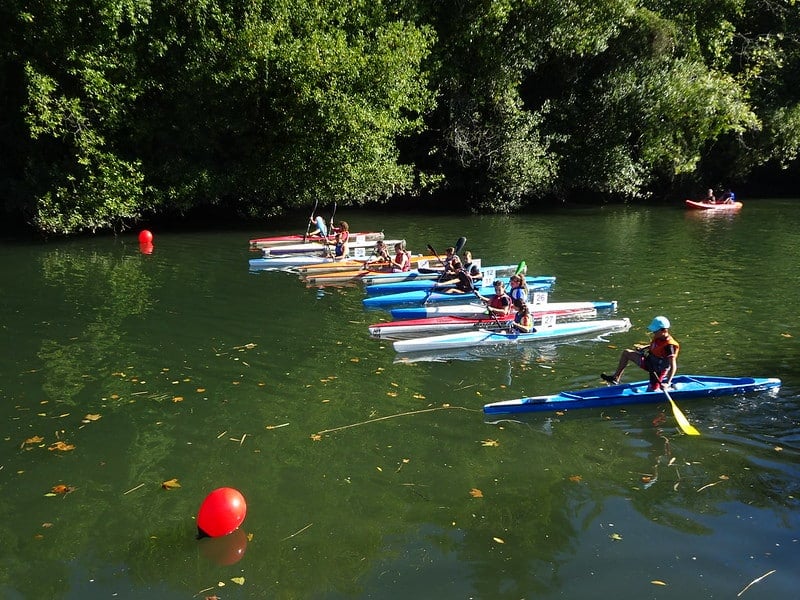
[684, 387]
[282, 240]
[380, 289]
[424, 297]
[482, 337]
[476, 310]
[409, 328]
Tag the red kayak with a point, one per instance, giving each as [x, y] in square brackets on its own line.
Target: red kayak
[410, 328]
[713, 206]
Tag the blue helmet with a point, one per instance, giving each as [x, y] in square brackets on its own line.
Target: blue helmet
[658, 323]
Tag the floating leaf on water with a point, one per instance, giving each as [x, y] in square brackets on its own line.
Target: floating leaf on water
[490, 443]
[392, 394]
[499, 540]
[657, 582]
[355, 359]
[778, 449]
[200, 390]
[37, 439]
[786, 335]
[575, 478]
[476, 493]
[238, 580]
[62, 489]
[92, 417]
[316, 437]
[615, 536]
[170, 484]
[61, 447]
[177, 399]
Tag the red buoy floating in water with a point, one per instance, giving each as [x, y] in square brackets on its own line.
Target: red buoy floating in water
[221, 512]
[145, 237]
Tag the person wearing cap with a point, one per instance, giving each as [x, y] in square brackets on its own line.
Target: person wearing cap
[659, 358]
[381, 253]
[500, 302]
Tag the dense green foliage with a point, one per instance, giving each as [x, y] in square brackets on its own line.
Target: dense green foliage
[114, 110]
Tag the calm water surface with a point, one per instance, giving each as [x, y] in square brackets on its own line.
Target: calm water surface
[366, 477]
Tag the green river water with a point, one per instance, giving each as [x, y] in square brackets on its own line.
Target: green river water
[366, 477]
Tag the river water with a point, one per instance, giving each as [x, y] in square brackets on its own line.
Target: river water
[369, 477]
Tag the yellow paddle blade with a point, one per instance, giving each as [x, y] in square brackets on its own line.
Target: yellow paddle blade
[685, 426]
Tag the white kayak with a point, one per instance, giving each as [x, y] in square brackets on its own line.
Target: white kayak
[481, 337]
[316, 247]
[478, 309]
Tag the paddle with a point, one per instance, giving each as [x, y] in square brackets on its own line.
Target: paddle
[685, 426]
[489, 310]
[308, 225]
[333, 214]
[521, 268]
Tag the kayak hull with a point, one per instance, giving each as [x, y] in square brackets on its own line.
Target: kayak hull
[382, 289]
[410, 328]
[712, 206]
[477, 310]
[310, 248]
[685, 387]
[420, 297]
[282, 240]
[482, 337]
[428, 274]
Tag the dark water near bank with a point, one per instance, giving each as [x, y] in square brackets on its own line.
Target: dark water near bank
[369, 478]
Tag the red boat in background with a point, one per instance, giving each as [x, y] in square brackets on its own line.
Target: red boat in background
[727, 207]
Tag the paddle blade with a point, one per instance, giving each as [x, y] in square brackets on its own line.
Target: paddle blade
[521, 268]
[683, 422]
[460, 243]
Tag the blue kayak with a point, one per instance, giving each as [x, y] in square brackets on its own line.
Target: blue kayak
[421, 297]
[429, 273]
[684, 387]
[381, 289]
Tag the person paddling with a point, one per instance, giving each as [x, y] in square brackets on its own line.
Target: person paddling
[500, 302]
[459, 279]
[659, 358]
[402, 259]
[523, 320]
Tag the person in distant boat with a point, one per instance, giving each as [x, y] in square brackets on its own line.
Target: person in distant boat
[450, 256]
[402, 259]
[470, 267]
[728, 197]
[710, 197]
[659, 358]
[344, 229]
[500, 302]
[340, 249]
[460, 281]
[519, 288]
[523, 320]
[380, 252]
[319, 223]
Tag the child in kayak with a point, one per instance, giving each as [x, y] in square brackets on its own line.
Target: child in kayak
[659, 359]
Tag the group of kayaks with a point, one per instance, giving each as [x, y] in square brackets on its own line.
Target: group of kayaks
[428, 318]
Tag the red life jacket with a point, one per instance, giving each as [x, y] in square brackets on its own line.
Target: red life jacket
[403, 254]
[658, 347]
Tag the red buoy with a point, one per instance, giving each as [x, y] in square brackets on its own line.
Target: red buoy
[221, 513]
[145, 237]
